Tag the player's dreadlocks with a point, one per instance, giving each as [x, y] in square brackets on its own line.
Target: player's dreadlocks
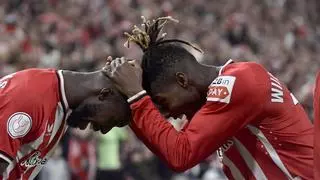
[161, 56]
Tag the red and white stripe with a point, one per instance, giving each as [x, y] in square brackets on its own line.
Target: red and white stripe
[254, 158]
[45, 144]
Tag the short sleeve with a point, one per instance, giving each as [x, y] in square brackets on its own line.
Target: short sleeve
[19, 114]
[15, 124]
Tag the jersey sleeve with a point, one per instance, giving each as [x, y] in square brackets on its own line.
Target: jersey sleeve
[21, 111]
[232, 102]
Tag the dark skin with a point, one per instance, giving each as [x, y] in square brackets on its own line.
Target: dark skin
[183, 95]
[3, 165]
[93, 99]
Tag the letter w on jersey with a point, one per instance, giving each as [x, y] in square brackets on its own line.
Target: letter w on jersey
[221, 88]
[276, 90]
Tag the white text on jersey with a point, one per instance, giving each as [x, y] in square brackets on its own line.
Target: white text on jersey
[276, 90]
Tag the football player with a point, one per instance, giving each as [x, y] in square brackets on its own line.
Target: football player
[38, 105]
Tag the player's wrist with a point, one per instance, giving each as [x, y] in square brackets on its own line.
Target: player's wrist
[137, 96]
[130, 92]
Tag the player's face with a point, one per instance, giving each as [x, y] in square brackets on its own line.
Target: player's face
[102, 113]
[174, 100]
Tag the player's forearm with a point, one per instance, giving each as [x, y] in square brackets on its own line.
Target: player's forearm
[161, 137]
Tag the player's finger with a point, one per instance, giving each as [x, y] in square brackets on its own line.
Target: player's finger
[107, 71]
[109, 59]
[122, 60]
[118, 62]
[114, 63]
[107, 68]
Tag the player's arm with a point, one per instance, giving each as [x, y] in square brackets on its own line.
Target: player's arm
[211, 126]
[3, 166]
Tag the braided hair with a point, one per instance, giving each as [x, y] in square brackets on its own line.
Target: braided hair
[161, 57]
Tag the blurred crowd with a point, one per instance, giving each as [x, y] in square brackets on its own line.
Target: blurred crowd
[283, 35]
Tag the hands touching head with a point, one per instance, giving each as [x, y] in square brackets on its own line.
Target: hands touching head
[126, 74]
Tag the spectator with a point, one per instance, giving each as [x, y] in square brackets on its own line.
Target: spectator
[82, 155]
[109, 160]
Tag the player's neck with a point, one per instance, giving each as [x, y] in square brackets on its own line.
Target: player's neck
[81, 85]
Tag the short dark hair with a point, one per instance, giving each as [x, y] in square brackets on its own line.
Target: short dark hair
[161, 58]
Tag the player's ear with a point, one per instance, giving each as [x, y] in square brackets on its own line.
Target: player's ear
[104, 93]
[182, 79]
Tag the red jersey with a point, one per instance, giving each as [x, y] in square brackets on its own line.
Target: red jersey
[33, 112]
[258, 126]
[316, 107]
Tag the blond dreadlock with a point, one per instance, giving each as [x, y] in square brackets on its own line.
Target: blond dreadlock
[150, 35]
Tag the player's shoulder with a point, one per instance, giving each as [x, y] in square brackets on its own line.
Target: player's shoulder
[248, 73]
[237, 79]
[36, 73]
[34, 78]
[27, 97]
[243, 69]
[29, 84]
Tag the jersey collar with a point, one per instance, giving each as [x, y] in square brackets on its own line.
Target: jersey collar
[227, 63]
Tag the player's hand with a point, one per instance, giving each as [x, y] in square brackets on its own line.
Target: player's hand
[126, 75]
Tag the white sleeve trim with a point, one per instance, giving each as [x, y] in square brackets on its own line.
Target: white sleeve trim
[227, 63]
[4, 157]
[62, 90]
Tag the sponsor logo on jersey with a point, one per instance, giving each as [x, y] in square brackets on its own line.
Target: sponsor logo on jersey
[34, 160]
[19, 124]
[221, 88]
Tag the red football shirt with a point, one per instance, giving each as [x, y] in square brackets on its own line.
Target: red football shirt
[258, 126]
[317, 128]
[33, 111]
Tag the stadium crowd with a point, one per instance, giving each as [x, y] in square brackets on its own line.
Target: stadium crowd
[79, 34]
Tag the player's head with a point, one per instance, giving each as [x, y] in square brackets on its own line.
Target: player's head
[103, 109]
[170, 72]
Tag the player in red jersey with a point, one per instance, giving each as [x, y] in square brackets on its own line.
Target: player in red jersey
[316, 107]
[37, 106]
[258, 126]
